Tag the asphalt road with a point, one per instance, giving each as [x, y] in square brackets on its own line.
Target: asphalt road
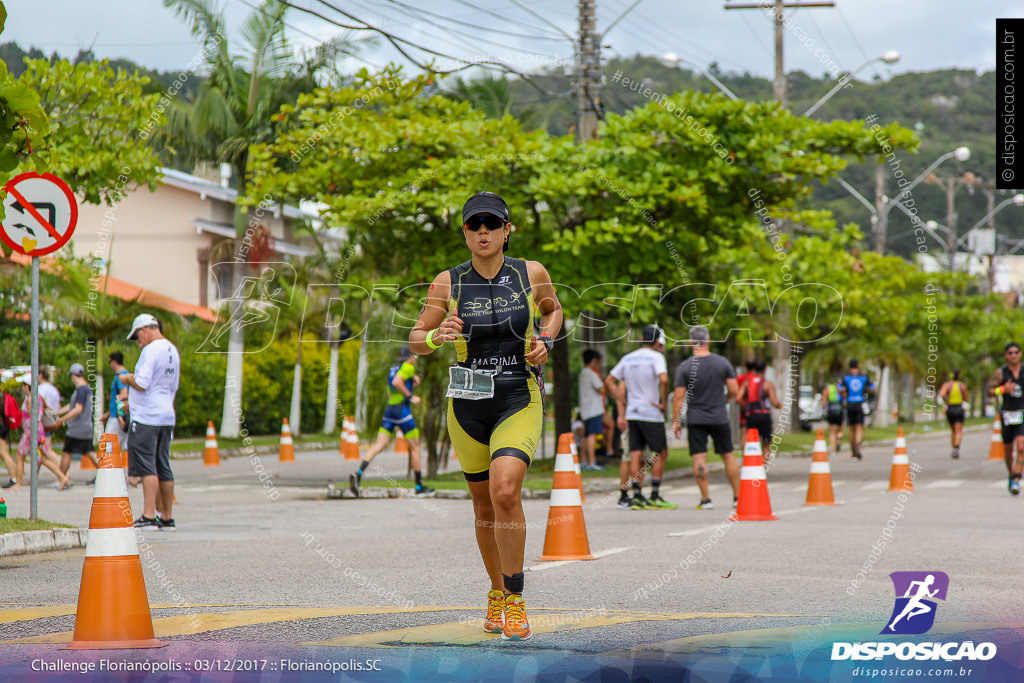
[284, 570]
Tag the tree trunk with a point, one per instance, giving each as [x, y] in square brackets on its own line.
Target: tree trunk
[885, 394]
[562, 395]
[295, 415]
[363, 369]
[231, 417]
[790, 398]
[331, 410]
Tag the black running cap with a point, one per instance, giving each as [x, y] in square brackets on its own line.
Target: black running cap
[854, 363]
[405, 352]
[485, 202]
[653, 334]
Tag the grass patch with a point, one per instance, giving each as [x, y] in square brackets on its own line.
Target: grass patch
[197, 444]
[12, 524]
[804, 441]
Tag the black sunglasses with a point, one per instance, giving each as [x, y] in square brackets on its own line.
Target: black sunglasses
[489, 221]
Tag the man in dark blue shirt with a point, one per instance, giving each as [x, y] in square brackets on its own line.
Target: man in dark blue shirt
[855, 388]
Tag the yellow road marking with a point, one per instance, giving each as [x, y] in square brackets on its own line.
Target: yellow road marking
[191, 624]
[464, 632]
[27, 614]
[471, 632]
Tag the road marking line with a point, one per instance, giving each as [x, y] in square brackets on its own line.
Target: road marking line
[559, 563]
[944, 484]
[470, 632]
[875, 486]
[192, 624]
[703, 529]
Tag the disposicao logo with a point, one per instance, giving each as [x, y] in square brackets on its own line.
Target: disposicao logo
[914, 614]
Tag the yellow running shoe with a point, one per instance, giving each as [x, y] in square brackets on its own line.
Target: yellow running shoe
[516, 626]
[495, 620]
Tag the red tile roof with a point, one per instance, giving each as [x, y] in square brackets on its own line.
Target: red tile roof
[129, 292]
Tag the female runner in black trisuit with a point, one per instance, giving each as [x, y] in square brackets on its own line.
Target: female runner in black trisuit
[486, 307]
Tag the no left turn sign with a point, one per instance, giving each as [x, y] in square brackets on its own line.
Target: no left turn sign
[40, 214]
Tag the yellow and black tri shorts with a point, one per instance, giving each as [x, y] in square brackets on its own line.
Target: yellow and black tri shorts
[508, 423]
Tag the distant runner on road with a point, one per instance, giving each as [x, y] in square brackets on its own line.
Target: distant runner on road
[954, 394]
[856, 387]
[402, 378]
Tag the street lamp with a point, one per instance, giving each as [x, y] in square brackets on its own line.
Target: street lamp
[880, 211]
[672, 59]
[1016, 200]
[890, 57]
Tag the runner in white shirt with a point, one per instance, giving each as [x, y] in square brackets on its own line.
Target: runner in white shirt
[151, 392]
[642, 392]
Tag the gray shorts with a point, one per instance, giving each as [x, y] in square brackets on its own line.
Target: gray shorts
[149, 451]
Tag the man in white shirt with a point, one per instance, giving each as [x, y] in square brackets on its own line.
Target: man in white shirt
[642, 393]
[151, 390]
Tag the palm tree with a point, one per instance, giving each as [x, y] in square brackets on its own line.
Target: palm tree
[233, 110]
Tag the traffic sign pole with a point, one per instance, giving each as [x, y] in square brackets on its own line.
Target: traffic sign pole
[33, 452]
[27, 231]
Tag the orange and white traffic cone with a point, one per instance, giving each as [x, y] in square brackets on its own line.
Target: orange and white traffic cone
[753, 505]
[568, 442]
[566, 535]
[349, 439]
[900, 480]
[819, 486]
[287, 448]
[211, 456]
[113, 610]
[87, 463]
[995, 449]
[401, 445]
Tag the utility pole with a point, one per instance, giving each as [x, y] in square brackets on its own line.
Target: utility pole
[782, 360]
[778, 18]
[588, 105]
[588, 73]
[881, 222]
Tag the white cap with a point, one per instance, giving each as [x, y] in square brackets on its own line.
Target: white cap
[25, 379]
[141, 320]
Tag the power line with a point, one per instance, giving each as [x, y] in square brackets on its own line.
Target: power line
[856, 40]
[549, 23]
[449, 30]
[397, 43]
[824, 37]
[503, 32]
[319, 41]
[757, 36]
[503, 17]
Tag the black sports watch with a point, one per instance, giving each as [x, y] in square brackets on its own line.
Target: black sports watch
[547, 341]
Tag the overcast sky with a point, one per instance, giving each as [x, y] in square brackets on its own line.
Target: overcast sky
[928, 34]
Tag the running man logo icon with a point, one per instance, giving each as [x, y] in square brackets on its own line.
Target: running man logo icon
[913, 612]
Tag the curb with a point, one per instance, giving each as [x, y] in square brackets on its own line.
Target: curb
[255, 450]
[41, 541]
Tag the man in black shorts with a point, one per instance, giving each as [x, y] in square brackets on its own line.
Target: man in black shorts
[642, 395]
[77, 414]
[703, 384]
[151, 390]
[1007, 382]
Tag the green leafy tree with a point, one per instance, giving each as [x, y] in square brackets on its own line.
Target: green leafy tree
[96, 114]
[393, 166]
[233, 110]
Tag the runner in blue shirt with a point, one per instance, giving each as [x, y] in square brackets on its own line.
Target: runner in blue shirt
[855, 388]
